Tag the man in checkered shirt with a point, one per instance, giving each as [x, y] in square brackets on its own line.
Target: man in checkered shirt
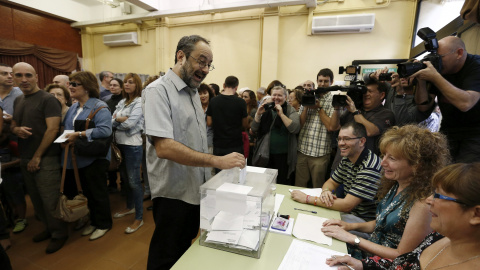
[314, 142]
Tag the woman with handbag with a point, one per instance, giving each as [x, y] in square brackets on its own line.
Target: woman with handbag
[276, 129]
[128, 122]
[92, 166]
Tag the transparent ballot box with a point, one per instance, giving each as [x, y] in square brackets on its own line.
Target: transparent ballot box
[236, 209]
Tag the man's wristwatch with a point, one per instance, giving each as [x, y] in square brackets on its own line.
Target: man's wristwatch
[356, 112]
[80, 134]
[356, 242]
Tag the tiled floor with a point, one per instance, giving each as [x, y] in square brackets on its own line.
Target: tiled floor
[116, 250]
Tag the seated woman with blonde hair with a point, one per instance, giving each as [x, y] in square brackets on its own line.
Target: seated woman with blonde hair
[455, 218]
[411, 156]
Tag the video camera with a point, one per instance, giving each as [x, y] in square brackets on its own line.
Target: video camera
[406, 69]
[355, 90]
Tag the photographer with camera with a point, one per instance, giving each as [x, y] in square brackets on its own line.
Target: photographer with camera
[314, 142]
[281, 122]
[457, 87]
[399, 97]
[374, 116]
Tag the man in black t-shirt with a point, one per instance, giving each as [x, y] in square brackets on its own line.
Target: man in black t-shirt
[227, 115]
[36, 122]
[457, 87]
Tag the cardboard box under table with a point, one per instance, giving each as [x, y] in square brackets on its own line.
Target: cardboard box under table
[235, 216]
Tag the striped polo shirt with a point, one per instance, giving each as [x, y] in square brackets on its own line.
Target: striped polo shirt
[361, 179]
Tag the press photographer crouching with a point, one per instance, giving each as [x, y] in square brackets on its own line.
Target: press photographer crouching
[457, 87]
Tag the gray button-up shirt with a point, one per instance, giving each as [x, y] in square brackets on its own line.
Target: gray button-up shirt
[7, 102]
[173, 110]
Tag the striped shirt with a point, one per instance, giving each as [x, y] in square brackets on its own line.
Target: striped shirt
[314, 139]
[360, 180]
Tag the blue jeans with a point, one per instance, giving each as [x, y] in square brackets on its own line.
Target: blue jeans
[130, 168]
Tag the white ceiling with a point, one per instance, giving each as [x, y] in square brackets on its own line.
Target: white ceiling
[94, 12]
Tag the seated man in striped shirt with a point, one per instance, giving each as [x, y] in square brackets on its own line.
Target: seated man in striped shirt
[358, 171]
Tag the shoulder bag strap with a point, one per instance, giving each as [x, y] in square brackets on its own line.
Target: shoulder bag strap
[64, 169]
[75, 169]
[91, 115]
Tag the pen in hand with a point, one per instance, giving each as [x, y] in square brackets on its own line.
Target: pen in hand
[344, 264]
[314, 212]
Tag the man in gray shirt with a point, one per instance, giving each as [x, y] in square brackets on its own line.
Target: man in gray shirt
[177, 151]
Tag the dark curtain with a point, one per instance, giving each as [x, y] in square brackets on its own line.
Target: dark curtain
[48, 62]
[45, 72]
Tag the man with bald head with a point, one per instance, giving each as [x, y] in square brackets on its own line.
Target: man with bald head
[62, 80]
[308, 85]
[457, 87]
[36, 122]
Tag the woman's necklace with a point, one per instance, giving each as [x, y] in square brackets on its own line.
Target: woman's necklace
[440, 252]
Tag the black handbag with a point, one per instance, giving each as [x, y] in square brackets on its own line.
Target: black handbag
[261, 154]
[95, 148]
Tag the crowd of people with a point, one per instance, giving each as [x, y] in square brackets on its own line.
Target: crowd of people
[378, 160]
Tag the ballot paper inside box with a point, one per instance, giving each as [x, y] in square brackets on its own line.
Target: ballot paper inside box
[235, 217]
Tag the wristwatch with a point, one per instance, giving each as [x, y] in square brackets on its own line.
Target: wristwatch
[356, 242]
[319, 108]
[80, 134]
[356, 112]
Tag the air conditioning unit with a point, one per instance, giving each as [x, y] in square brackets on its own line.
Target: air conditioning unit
[341, 24]
[121, 39]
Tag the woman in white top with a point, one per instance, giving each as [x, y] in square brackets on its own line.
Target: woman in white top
[128, 122]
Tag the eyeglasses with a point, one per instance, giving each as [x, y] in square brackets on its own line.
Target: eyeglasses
[443, 197]
[443, 55]
[75, 84]
[203, 64]
[347, 139]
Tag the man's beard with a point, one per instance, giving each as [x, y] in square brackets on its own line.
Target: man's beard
[187, 73]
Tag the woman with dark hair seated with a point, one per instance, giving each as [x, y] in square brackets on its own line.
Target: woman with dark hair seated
[455, 214]
[411, 156]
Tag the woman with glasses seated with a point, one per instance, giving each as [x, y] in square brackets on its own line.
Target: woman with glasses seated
[411, 156]
[455, 218]
[282, 122]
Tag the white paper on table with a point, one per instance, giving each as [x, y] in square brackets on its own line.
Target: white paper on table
[249, 239]
[305, 256]
[225, 221]
[309, 227]
[252, 215]
[288, 231]
[62, 138]
[232, 198]
[255, 169]
[229, 237]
